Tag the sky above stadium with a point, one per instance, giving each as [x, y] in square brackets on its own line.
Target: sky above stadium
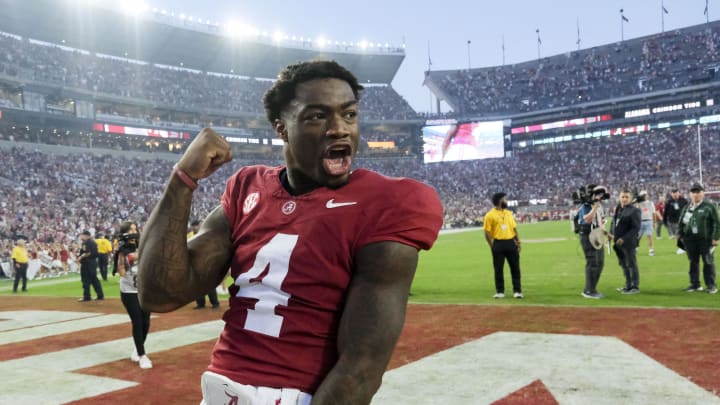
[440, 31]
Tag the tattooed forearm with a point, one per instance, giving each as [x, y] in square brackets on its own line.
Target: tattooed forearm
[171, 271]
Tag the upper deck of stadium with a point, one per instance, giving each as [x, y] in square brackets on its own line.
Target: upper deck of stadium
[665, 63]
[158, 38]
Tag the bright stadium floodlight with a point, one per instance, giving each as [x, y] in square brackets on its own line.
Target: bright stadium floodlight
[363, 44]
[278, 36]
[135, 6]
[321, 42]
[237, 29]
[182, 16]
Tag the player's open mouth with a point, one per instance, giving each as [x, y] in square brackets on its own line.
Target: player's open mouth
[337, 159]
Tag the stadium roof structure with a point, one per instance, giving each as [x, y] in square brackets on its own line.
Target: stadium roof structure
[151, 38]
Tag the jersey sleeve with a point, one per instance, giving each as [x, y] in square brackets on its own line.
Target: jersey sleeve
[230, 199]
[412, 215]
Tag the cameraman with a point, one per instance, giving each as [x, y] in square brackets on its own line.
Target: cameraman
[126, 259]
[591, 216]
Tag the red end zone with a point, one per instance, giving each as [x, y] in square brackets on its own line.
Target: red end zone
[685, 341]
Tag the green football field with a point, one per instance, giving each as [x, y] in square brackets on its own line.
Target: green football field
[458, 269]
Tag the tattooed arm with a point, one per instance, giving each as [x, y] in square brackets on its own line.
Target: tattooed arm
[373, 317]
[173, 271]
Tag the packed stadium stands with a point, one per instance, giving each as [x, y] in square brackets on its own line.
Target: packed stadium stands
[664, 61]
[51, 196]
[62, 175]
[182, 89]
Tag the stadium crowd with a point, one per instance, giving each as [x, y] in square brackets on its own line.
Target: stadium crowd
[658, 62]
[181, 88]
[50, 198]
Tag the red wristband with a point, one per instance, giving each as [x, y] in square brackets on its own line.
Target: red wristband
[187, 180]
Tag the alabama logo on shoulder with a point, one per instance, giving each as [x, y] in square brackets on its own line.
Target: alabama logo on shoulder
[251, 201]
[289, 207]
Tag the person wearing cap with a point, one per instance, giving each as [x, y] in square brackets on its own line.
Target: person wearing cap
[20, 264]
[502, 237]
[671, 217]
[647, 210]
[88, 267]
[699, 233]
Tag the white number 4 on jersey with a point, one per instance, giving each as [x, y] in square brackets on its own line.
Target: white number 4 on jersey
[275, 256]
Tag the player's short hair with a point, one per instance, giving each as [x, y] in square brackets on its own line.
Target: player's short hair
[625, 191]
[497, 197]
[282, 91]
[125, 226]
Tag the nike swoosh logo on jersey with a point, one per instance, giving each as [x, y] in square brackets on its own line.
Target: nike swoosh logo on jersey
[332, 204]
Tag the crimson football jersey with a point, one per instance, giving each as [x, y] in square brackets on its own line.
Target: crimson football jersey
[293, 263]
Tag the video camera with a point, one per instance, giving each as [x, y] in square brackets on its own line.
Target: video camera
[128, 242]
[590, 194]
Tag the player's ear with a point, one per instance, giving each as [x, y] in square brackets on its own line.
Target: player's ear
[280, 129]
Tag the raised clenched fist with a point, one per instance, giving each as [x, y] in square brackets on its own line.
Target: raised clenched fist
[207, 152]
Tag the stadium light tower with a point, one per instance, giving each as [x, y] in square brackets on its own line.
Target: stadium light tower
[468, 54]
[623, 20]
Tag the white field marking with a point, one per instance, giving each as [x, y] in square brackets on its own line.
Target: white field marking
[575, 369]
[473, 229]
[48, 378]
[544, 240]
[44, 282]
[18, 326]
[460, 230]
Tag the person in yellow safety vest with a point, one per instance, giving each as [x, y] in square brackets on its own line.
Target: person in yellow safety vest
[20, 264]
[104, 250]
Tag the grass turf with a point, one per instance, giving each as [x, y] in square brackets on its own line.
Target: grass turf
[458, 269]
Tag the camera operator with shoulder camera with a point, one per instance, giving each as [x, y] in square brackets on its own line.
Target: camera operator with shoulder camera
[590, 222]
[126, 263]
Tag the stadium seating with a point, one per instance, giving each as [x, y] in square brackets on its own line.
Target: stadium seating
[180, 88]
[658, 62]
[55, 194]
